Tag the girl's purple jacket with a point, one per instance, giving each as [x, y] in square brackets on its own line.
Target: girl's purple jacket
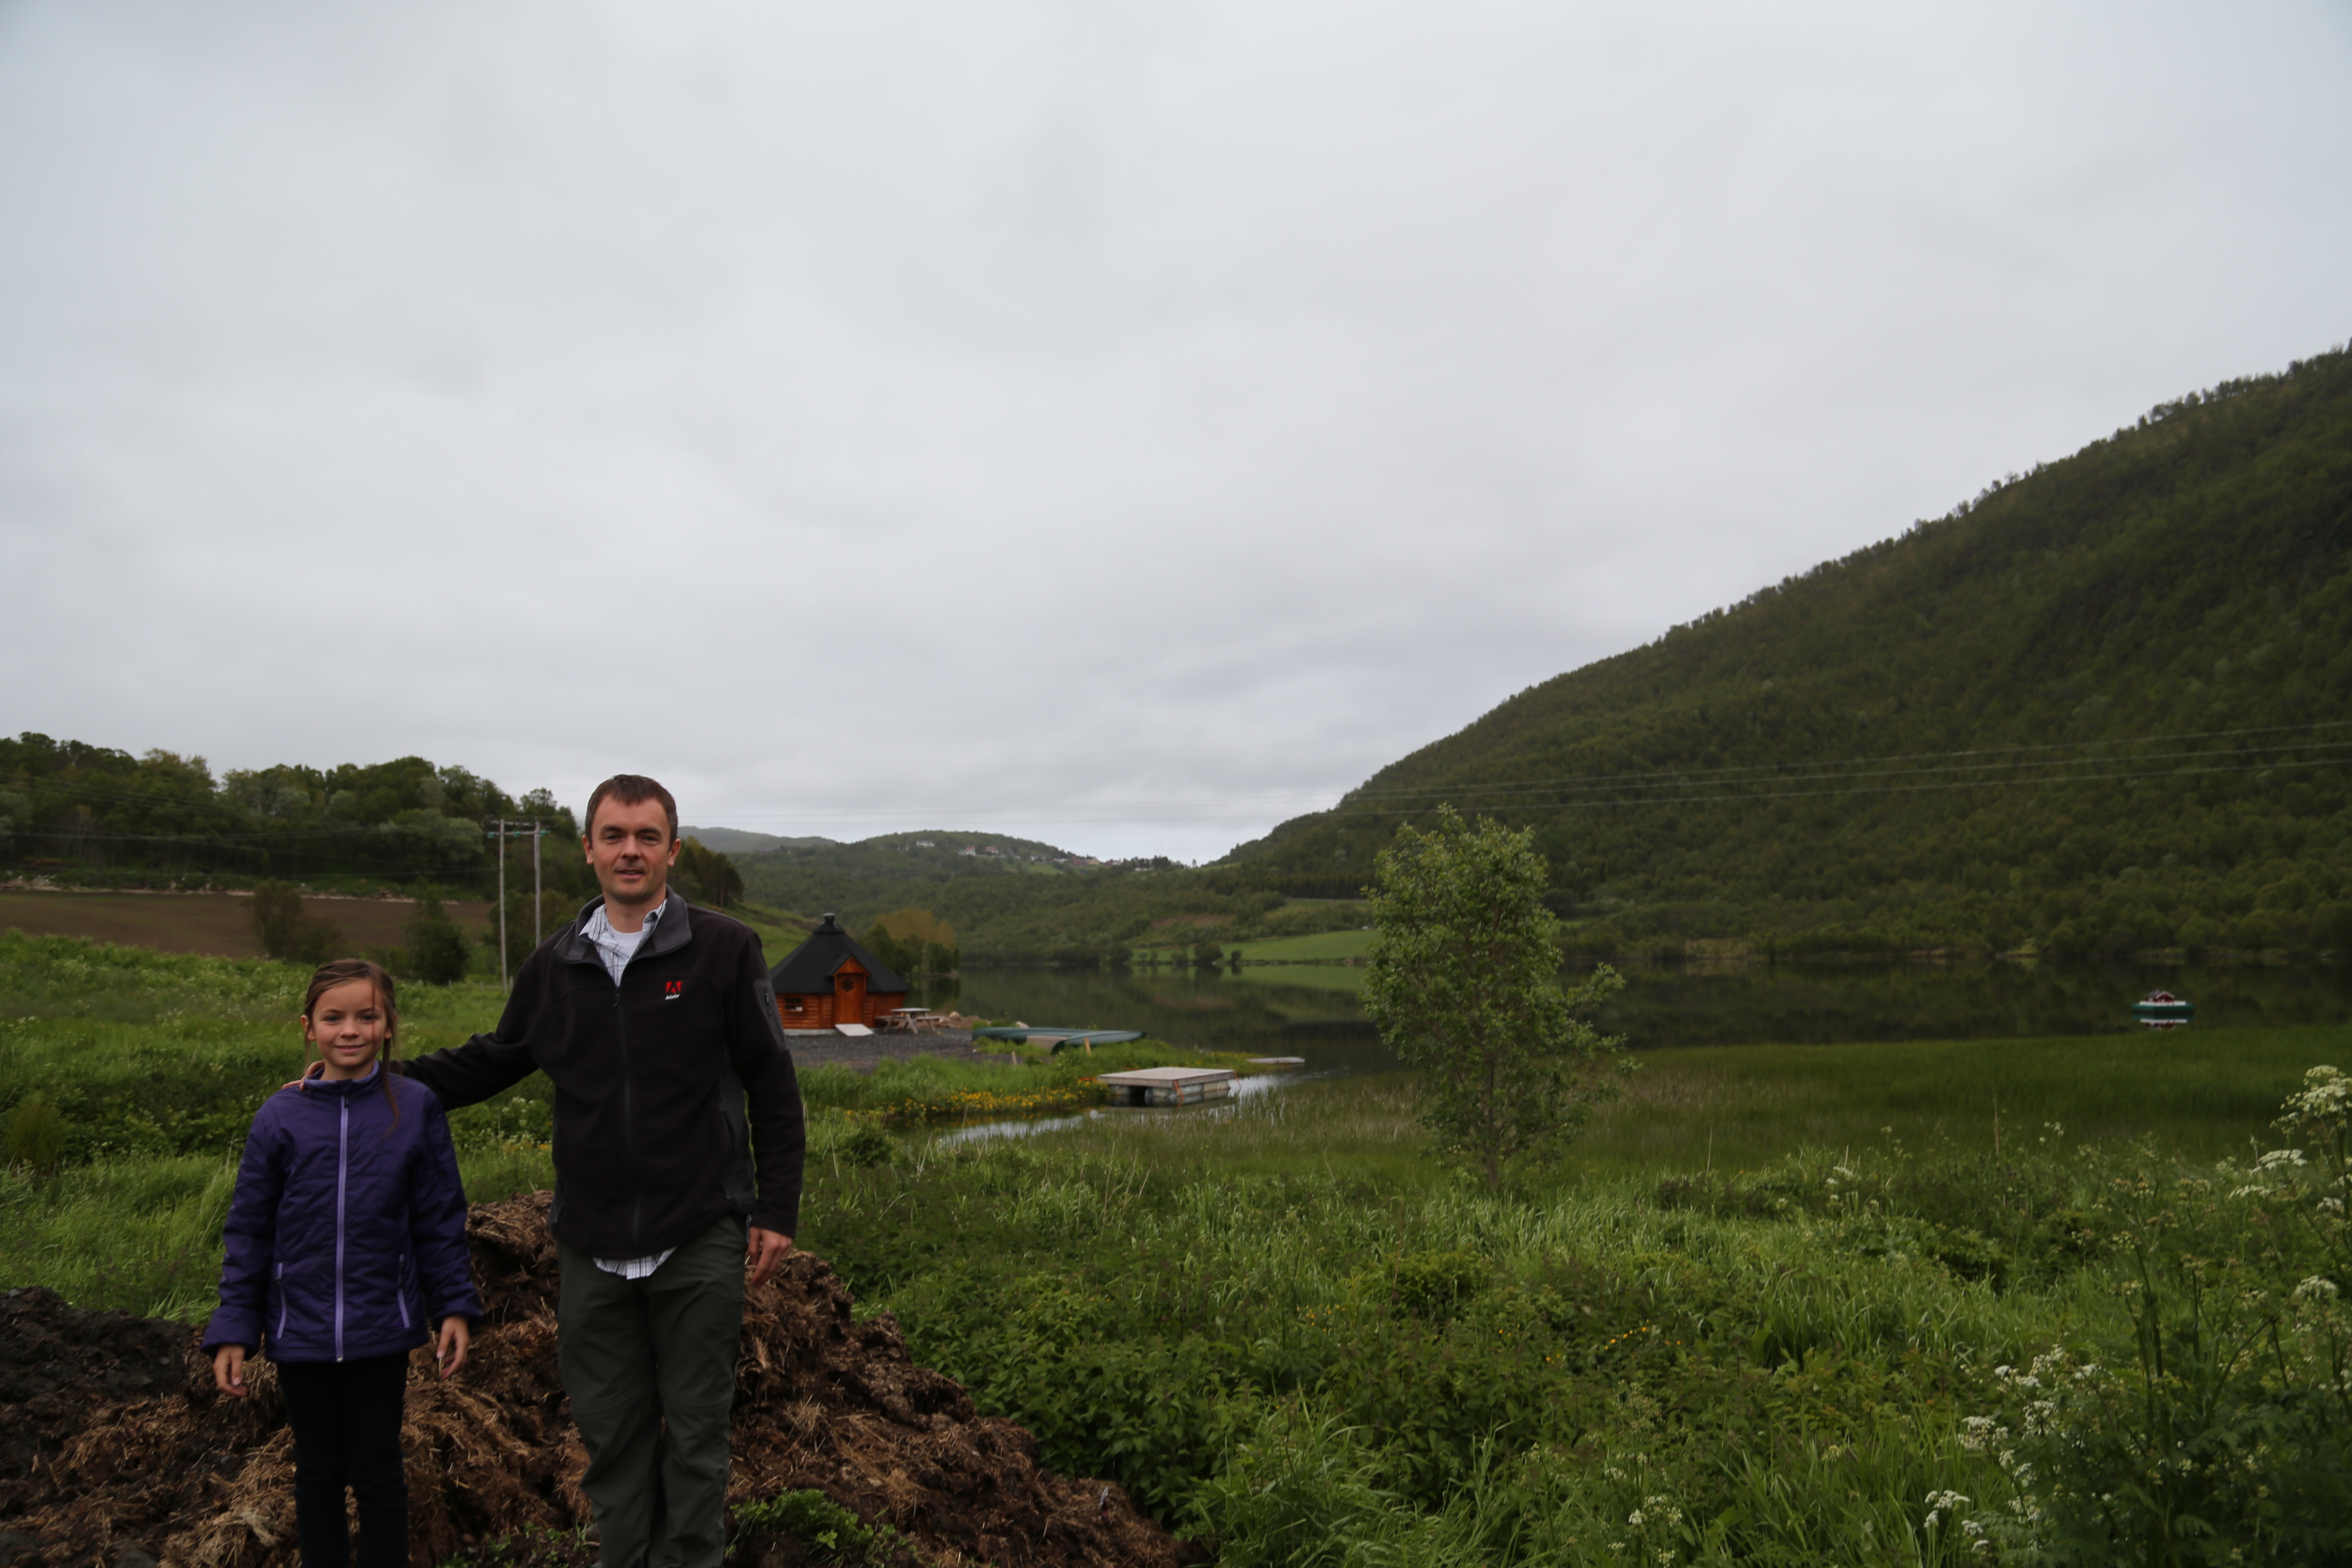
[347, 1236]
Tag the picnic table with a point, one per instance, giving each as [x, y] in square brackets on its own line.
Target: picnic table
[911, 1021]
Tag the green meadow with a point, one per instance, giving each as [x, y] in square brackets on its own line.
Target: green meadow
[2072, 1300]
[1320, 947]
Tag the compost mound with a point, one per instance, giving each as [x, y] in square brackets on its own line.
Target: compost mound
[119, 1451]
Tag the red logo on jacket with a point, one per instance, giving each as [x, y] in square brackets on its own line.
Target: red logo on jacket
[673, 989]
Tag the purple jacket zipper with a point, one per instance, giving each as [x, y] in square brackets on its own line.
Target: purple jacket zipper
[343, 1181]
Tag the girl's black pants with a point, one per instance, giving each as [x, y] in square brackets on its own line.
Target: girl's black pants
[346, 1421]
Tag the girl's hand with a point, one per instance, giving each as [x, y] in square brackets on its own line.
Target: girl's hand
[455, 1337]
[228, 1371]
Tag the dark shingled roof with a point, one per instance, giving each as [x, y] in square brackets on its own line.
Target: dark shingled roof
[808, 968]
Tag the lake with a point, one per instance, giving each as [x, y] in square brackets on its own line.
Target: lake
[1312, 1012]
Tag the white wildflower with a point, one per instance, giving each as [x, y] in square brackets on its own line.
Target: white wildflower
[2317, 1289]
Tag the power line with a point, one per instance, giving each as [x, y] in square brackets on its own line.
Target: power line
[2274, 751]
[1886, 789]
[1908, 757]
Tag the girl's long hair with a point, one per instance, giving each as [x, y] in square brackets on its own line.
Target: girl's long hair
[341, 971]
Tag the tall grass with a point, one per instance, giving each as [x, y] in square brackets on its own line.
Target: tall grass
[2200, 1091]
[1283, 1327]
[143, 1235]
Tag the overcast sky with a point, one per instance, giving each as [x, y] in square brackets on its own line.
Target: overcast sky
[1127, 423]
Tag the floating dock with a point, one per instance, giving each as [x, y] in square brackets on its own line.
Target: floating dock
[1057, 1037]
[1169, 1086]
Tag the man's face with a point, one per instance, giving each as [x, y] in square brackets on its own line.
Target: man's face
[631, 851]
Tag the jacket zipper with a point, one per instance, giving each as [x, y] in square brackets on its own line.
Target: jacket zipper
[628, 1124]
[342, 1182]
[281, 1303]
[400, 1290]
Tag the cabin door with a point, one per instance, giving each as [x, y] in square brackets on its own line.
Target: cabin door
[849, 998]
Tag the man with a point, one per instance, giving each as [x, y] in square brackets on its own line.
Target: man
[656, 1023]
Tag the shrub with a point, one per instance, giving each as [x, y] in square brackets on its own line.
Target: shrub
[1436, 1285]
[2218, 1427]
[287, 931]
[437, 950]
[35, 1134]
[868, 1147]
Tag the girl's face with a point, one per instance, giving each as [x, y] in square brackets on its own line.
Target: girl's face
[349, 1025]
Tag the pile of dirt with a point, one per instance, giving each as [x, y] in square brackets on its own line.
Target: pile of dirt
[128, 1456]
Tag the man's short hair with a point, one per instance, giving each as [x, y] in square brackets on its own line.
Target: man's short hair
[631, 789]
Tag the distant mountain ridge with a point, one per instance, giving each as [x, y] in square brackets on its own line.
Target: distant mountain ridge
[1785, 771]
[741, 841]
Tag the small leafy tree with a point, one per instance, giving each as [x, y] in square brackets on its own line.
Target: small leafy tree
[277, 907]
[1465, 983]
[708, 876]
[286, 931]
[438, 949]
[914, 941]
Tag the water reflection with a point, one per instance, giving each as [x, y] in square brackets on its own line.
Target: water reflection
[1207, 1009]
[1313, 1012]
[1214, 1109]
[1833, 1004]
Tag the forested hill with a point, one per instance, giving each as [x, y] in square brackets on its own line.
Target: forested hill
[2102, 707]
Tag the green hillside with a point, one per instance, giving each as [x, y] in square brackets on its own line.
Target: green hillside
[2102, 707]
[1026, 900]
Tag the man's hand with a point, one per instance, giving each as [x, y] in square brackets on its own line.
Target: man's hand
[228, 1371]
[765, 1254]
[451, 1353]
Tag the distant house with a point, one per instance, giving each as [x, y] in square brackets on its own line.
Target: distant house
[829, 980]
[967, 849]
[923, 844]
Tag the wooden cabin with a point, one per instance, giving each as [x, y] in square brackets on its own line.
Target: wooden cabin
[829, 980]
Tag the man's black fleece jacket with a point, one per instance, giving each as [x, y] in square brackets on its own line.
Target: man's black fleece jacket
[651, 1077]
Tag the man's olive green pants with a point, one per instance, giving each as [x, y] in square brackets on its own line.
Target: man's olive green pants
[650, 1366]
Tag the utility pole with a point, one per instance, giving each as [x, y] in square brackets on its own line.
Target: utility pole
[501, 830]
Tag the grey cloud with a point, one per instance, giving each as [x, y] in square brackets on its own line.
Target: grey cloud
[1016, 413]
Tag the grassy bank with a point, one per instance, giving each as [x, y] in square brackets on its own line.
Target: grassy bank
[1784, 1305]
[2200, 1092]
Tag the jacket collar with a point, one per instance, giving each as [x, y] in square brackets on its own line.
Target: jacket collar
[671, 931]
[322, 1084]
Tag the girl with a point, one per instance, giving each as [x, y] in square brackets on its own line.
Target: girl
[347, 1231]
